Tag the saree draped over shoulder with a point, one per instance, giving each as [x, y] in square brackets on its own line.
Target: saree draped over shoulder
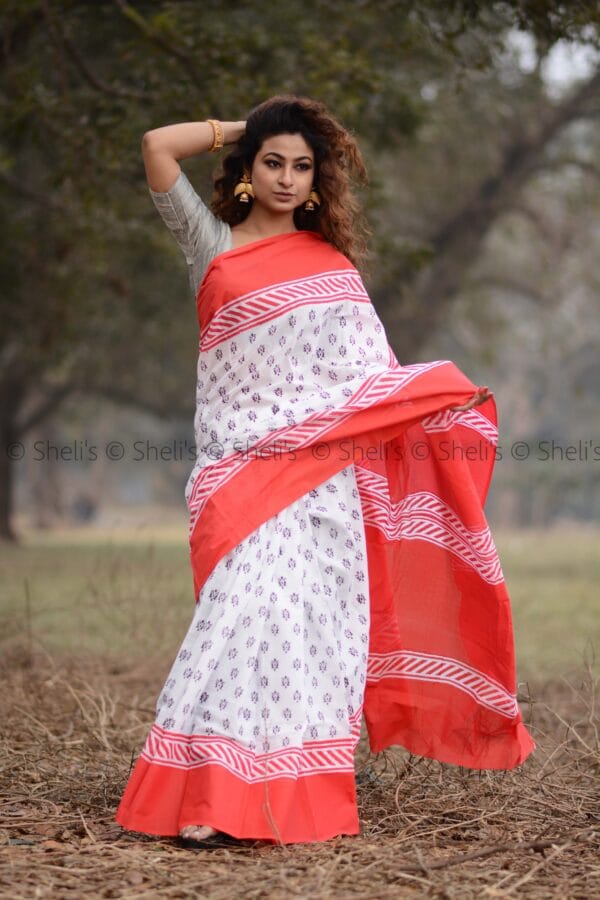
[342, 562]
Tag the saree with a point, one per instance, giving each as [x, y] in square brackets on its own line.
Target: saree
[342, 562]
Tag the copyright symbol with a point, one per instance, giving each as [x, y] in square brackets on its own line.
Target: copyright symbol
[420, 450]
[321, 451]
[214, 450]
[115, 450]
[15, 450]
[519, 450]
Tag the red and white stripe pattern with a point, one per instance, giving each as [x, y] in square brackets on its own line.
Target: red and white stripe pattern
[423, 516]
[470, 418]
[183, 751]
[374, 389]
[426, 667]
[253, 309]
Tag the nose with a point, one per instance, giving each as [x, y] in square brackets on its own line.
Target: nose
[286, 176]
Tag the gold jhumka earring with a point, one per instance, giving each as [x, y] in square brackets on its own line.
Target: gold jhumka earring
[243, 189]
[313, 201]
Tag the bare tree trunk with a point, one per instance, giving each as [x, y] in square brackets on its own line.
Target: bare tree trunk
[412, 318]
[14, 390]
[46, 483]
[11, 395]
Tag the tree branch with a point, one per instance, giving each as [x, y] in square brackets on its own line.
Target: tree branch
[45, 407]
[560, 162]
[123, 397]
[532, 216]
[512, 285]
[136, 19]
[46, 200]
[60, 37]
[538, 846]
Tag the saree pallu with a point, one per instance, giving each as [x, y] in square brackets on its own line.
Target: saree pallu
[342, 562]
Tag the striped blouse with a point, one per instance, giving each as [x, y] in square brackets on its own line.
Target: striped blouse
[198, 232]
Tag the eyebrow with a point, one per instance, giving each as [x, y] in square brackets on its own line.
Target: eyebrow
[280, 155]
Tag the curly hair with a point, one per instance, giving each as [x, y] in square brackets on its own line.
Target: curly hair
[337, 160]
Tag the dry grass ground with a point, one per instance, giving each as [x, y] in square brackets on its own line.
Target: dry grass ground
[72, 723]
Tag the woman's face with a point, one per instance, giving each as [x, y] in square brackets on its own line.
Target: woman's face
[283, 172]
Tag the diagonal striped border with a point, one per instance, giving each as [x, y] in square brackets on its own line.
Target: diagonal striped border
[372, 390]
[182, 751]
[470, 418]
[257, 307]
[442, 669]
[423, 516]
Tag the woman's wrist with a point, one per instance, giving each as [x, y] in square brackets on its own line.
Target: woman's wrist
[232, 131]
[225, 133]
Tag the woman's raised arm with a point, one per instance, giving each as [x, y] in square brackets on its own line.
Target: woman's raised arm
[162, 147]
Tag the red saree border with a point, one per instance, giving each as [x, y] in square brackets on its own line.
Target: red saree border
[289, 795]
[162, 800]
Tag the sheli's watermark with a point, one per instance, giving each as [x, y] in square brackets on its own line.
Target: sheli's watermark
[84, 451]
[351, 450]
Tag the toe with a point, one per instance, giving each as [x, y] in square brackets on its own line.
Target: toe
[197, 832]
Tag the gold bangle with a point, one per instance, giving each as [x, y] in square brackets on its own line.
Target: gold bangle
[218, 136]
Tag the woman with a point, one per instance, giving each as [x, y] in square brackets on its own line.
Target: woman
[342, 562]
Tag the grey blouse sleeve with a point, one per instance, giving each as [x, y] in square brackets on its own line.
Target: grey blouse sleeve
[198, 232]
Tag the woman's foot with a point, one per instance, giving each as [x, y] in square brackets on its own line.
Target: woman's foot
[198, 832]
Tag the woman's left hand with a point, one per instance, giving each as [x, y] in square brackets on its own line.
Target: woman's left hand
[480, 396]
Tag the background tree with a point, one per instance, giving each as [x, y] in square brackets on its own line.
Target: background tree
[454, 130]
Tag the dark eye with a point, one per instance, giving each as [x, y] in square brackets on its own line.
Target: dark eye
[272, 162]
[304, 166]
